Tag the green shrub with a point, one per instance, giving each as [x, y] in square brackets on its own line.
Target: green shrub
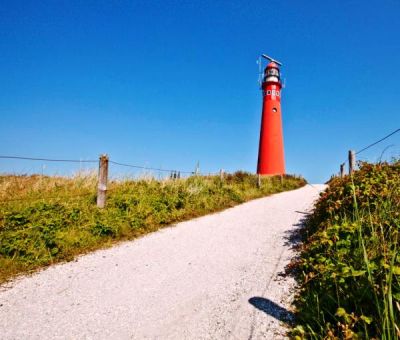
[48, 219]
[350, 263]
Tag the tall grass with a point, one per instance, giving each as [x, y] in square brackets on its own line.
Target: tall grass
[44, 220]
[350, 264]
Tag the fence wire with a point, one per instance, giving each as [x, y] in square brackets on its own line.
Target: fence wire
[150, 168]
[378, 141]
[373, 144]
[96, 161]
[50, 159]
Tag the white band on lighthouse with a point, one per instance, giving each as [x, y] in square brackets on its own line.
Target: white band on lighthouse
[271, 92]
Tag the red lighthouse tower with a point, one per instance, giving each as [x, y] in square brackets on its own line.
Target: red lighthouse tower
[270, 153]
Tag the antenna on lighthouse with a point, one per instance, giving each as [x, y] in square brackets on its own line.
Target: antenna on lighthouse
[271, 59]
[260, 71]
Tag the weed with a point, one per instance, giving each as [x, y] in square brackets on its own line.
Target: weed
[350, 265]
[44, 220]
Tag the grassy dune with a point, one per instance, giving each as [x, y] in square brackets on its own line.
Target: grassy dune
[44, 220]
[350, 264]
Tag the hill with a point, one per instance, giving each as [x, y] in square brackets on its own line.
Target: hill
[350, 264]
[44, 220]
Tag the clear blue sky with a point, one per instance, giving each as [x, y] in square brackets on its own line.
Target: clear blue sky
[170, 83]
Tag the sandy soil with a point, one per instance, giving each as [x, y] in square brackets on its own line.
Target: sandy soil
[214, 277]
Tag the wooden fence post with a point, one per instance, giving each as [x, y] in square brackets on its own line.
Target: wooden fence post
[102, 181]
[352, 161]
[221, 174]
[342, 170]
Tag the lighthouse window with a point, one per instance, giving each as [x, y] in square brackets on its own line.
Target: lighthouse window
[274, 109]
[268, 92]
[272, 72]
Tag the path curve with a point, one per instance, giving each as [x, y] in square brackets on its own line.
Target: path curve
[214, 277]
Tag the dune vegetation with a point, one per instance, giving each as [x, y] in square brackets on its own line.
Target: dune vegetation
[44, 220]
[349, 271]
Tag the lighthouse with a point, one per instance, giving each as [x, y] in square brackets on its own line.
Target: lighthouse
[270, 152]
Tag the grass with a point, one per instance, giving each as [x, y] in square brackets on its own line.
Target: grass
[350, 263]
[45, 220]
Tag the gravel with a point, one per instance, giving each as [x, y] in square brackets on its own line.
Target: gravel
[214, 277]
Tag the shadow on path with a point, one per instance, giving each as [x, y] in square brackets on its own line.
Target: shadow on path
[271, 308]
[293, 236]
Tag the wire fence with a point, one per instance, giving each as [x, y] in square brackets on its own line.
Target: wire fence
[100, 173]
[353, 155]
[378, 141]
[91, 161]
[150, 168]
[49, 159]
[148, 172]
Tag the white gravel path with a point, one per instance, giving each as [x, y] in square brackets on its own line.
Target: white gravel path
[214, 277]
